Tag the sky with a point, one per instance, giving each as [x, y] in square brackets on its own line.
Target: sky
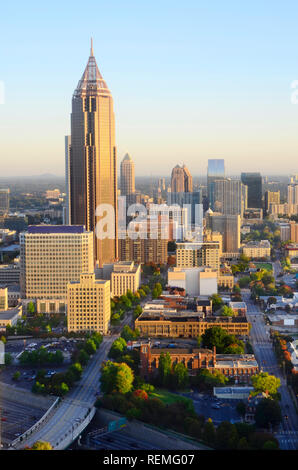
[191, 80]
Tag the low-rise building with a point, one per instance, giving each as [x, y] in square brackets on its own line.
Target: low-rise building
[240, 308]
[196, 281]
[232, 393]
[9, 274]
[170, 323]
[257, 249]
[10, 317]
[239, 367]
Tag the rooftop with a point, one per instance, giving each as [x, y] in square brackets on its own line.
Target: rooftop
[36, 229]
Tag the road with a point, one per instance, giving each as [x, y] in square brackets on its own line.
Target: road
[75, 406]
[265, 355]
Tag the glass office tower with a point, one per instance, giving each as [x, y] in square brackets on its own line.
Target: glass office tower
[253, 181]
[216, 170]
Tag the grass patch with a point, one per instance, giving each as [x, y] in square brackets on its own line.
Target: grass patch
[167, 397]
[267, 266]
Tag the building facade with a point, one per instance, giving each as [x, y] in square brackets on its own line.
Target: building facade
[240, 368]
[92, 154]
[50, 257]
[88, 305]
[181, 180]
[253, 181]
[127, 176]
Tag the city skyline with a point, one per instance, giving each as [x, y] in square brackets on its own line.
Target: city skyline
[236, 100]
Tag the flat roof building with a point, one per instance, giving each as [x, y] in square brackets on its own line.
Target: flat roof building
[50, 257]
[88, 304]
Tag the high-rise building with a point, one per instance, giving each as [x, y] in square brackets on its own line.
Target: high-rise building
[88, 304]
[228, 226]
[181, 180]
[293, 193]
[93, 178]
[253, 181]
[215, 171]
[192, 201]
[50, 257]
[67, 218]
[149, 244]
[271, 197]
[4, 201]
[229, 196]
[196, 254]
[127, 176]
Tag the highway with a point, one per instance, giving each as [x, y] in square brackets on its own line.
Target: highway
[265, 355]
[75, 405]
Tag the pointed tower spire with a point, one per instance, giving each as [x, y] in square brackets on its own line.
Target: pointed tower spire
[92, 77]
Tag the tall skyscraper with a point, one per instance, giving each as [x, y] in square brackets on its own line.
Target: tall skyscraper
[253, 181]
[127, 176]
[4, 201]
[228, 226]
[181, 180]
[215, 171]
[271, 197]
[229, 196]
[93, 178]
[293, 193]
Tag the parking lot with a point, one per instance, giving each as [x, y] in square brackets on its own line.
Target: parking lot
[28, 372]
[217, 409]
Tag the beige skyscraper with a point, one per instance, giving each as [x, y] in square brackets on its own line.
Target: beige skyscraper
[127, 176]
[181, 180]
[92, 155]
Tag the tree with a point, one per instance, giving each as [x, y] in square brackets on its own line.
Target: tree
[164, 368]
[244, 281]
[217, 302]
[226, 436]
[83, 357]
[265, 383]
[41, 445]
[118, 347]
[179, 376]
[207, 380]
[128, 334]
[31, 308]
[208, 434]
[90, 347]
[267, 413]
[77, 370]
[8, 359]
[116, 377]
[16, 375]
[214, 336]
[270, 445]
[228, 311]
[241, 408]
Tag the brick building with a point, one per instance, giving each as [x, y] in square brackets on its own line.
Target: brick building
[239, 367]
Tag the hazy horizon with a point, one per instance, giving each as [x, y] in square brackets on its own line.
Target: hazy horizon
[189, 82]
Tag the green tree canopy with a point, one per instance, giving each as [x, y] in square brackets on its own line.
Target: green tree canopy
[116, 377]
[265, 383]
